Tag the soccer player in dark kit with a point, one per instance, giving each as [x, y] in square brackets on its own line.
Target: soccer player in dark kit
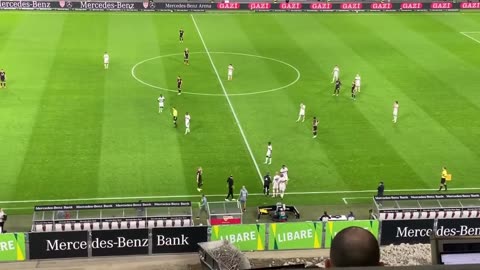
[337, 88]
[199, 179]
[186, 55]
[3, 79]
[230, 188]
[267, 180]
[181, 32]
[179, 85]
[315, 127]
[354, 91]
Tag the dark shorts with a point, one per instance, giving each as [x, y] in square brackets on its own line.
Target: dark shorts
[179, 86]
[315, 128]
[443, 181]
[2, 79]
[174, 118]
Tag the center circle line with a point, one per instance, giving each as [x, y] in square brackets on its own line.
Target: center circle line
[221, 95]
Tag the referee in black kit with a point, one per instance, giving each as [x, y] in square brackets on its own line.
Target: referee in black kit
[380, 190]
[267, 180]
[230, 188]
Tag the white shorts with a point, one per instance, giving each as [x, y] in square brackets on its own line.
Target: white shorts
[268, 155]
[395, 113]
[335, 76]
[105, 62]
[161, 105]
[275, 186]
[282, 187]
[230, 73]
[302, 113]
[187, 125]
[357, 84]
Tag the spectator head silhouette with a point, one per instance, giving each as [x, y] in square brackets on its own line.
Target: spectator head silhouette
[354, 247]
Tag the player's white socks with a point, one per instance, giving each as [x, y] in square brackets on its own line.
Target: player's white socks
[394, 119]
[281, 195]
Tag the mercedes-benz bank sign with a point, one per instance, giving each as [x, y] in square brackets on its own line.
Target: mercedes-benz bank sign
[119, 242]
[58, 245]
[173, 240]
[419, 231]
[115, 242]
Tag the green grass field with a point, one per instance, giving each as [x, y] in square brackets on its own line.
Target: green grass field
[71, 130]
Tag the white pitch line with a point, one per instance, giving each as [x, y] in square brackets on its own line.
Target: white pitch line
[472, 38]
[228, 100]
[345, 200]
[223, 195]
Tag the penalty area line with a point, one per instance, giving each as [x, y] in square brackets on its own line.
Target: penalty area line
[345, 200]
[470, 37]
[372, 191]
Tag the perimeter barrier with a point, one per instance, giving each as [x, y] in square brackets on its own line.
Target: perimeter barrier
[153, 6]
[246, 237]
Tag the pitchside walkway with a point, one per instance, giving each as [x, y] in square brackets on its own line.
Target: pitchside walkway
[159, 262]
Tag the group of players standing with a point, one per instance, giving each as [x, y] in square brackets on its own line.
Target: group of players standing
[161, 98]
[280, 179]
[338, 83]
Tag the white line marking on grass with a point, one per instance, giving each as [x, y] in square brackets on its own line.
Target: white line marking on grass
[470, 37]
[372, 191]
[228, 100]
[345, 200]
[134, 75]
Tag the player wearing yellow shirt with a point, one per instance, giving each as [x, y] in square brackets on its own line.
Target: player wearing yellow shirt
[443, 179]
[175, 115]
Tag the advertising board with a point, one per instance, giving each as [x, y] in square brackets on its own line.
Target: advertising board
[412, 231]
[295, 235]
[58, 245]
[178, 240]
[253, 6]
[119, 242]
[245, 237]
[12, 247]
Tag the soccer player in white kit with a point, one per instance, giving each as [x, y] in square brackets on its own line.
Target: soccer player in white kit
[301, 114]
[395, 111]
[106, 60]
[284, 171]
[336, 73]
[187, 123]
[357, 83]
[230, 72]
[282, 185]
[268, 156]
[276, 181]
[161, 103]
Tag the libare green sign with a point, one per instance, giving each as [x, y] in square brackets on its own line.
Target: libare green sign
[333, 227]
[295, 235]
[12, 247]
[245, 236]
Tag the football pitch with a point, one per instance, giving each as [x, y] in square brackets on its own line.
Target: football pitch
[71, 131]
